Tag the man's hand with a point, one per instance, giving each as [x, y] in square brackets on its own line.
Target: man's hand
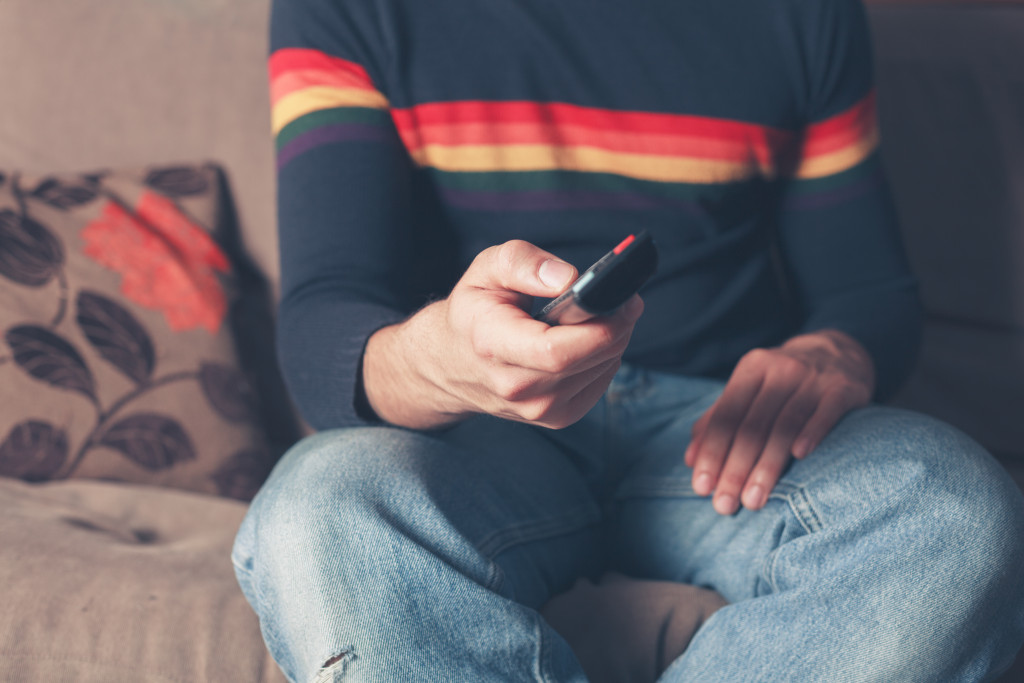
[480, 351]
[779, 403]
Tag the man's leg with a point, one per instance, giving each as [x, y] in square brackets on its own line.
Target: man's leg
[379, 554]
[892, 553]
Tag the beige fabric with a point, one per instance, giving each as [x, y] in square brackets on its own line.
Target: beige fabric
[103, 582]
[628, 631]
[120, 83]
[112, 582]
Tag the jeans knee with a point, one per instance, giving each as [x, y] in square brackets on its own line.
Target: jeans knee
[967, 511]
[330, 488]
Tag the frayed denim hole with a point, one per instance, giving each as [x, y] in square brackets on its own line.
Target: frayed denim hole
[334, 668]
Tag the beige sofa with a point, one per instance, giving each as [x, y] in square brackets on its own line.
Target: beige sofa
[114, 581]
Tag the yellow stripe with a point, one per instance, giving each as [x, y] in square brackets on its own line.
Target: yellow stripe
[484, 158]
[841, 160]
[308, 100]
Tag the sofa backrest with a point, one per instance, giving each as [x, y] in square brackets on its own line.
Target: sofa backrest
[951, 98]
[90, 84]
[106, 83]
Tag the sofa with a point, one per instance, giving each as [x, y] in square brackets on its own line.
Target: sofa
[139, 402]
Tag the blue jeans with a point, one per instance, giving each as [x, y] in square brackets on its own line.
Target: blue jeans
[893, 553]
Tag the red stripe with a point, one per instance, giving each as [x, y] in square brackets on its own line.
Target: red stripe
[523, 122]
[556, 113]
[294, 58]
[843, 129]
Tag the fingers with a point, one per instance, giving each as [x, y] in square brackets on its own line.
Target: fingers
[828, 412]
[519, 266]
[559, 406]
[527, 343]
[776, 405]
[501, 361]
[730, 465]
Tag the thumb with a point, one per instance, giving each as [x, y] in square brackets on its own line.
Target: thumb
[521, 267]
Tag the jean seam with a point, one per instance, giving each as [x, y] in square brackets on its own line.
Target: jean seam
[800, 504]
[499, 541]
[538, 672]
[495, 579]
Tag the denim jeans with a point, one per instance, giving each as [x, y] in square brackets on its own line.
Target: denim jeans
[892, 553]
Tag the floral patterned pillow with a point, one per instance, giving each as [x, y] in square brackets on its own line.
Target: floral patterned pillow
[118, 298]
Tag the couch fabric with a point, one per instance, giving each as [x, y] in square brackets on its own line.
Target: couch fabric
[109, 582]
[104, 583]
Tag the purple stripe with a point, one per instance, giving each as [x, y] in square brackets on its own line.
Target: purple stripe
[557, 200]
[335, 132]
[823, 200]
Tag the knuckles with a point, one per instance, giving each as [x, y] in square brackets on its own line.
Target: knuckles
[511, 387]
[509, 255]
[552, 360]
[481, 343]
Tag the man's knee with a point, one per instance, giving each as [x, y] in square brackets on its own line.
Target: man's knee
[332, 486]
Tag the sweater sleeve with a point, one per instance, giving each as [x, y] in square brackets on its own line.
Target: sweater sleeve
[344, 182]
[839, 236]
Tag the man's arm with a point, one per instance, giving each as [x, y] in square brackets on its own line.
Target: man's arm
[348, 230]
[840, 242]
[480, 351]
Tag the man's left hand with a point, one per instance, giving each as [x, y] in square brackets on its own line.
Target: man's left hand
[779, 403]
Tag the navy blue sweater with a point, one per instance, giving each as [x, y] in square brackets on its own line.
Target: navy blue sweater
[741, 133]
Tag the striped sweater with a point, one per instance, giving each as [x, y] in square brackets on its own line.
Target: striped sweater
[741, 133]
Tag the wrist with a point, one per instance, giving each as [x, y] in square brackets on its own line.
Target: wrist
[837, 349]
[403, 373]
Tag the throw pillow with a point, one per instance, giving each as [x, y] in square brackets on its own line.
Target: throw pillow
[118, 297]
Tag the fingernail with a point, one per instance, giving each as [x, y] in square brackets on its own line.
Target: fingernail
[555, 274]
[702, 485]
[725, 504]
[754, 497]
[800, 449]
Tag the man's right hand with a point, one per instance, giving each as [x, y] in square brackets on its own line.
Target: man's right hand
[480, 350]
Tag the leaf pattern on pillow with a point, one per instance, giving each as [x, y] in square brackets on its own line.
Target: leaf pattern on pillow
[51, 359]
[34, 450]
[29, 253]
[153, 441]
[228, 392]
[116, 335]
[168, 263]
[177, 181]
[64, 195]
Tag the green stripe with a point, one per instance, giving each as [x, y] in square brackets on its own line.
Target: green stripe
[526, 181]
[323, 117]
[806, 186]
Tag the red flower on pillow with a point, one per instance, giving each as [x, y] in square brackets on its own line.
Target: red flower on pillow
[167, 262]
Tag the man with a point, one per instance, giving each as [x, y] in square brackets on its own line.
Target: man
[443, 164]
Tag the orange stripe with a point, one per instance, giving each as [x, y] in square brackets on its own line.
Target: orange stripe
[488, 158]
[842, 130]
[558, 114]
[563, 125]
[840, 142]
[573, 135]
[300, 79]
[840, 160]
[308, 100]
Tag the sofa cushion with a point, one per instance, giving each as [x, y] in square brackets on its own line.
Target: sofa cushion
[951, 102]
[119, 294]
[112, 582]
